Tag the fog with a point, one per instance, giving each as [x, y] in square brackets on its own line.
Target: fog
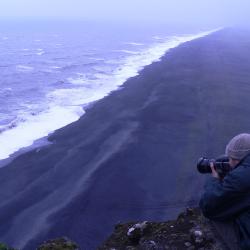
[207, 12]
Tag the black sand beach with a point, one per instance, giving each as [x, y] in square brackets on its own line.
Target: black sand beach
[133, 155]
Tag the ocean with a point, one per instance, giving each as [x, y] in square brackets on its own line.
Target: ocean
[51, 71]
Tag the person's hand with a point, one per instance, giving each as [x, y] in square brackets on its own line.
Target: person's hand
[214, 173]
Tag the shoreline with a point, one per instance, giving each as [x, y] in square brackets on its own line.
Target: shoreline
[133, 154]
[37, 144]
[174, 42]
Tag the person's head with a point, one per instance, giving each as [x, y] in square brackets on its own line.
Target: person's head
[238, 148]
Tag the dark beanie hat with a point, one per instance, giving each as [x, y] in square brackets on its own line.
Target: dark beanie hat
[239, 146]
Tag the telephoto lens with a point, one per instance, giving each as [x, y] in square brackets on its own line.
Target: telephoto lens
[203, 165]
[221, 165]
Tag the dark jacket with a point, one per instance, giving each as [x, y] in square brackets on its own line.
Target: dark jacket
[229, 200]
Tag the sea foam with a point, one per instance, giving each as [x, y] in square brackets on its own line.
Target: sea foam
[65, 105]
[24, 68]
[36, 127]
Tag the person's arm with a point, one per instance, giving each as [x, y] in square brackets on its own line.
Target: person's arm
[222, 200]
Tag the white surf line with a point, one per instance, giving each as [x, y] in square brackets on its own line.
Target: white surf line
[26, 133]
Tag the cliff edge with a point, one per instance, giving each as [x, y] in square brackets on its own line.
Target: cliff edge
[189, 231]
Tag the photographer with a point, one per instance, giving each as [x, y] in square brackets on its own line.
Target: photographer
[226, 202]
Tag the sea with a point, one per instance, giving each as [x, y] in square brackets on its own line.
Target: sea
[50, 71]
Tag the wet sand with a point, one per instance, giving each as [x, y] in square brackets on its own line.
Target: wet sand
[133, 155]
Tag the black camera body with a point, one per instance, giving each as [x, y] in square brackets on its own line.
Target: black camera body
[221, 165]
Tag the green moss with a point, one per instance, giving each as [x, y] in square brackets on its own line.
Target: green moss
[58, 244]
[5, 247]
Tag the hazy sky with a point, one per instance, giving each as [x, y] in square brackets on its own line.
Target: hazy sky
[175, 11]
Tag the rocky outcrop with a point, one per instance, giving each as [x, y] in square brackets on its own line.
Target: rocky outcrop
[59, 244]
[189, 231]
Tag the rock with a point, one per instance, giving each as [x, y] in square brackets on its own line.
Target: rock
[148, 245]
[197, 237]
[187, 244]
[130, 248]
[134, 235]
[58, 244]
[189, 211]
[198, 233]
[136, 232]
[191, 248]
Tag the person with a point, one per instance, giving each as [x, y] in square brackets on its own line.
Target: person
[226, 202]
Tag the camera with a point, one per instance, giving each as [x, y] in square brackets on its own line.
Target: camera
[221, 165]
